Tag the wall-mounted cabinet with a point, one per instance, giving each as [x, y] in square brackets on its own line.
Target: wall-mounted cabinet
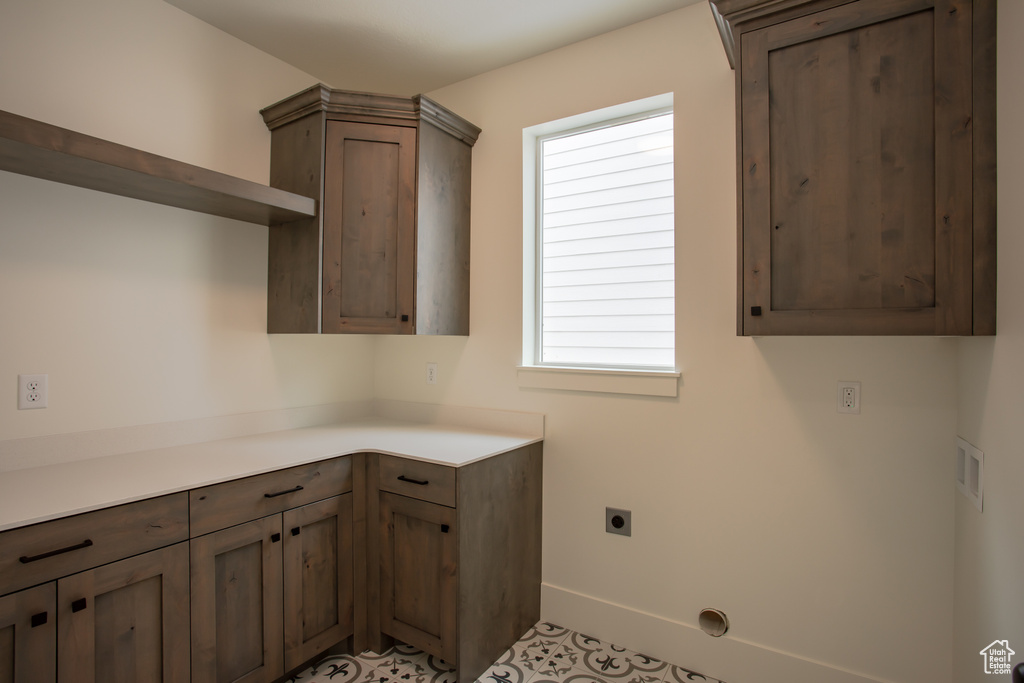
[866, 165]
[388, 251]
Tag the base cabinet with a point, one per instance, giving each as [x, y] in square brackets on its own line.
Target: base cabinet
[269, 594]
[459, 555]
[28, 635]
[126, 622]
[419, 547]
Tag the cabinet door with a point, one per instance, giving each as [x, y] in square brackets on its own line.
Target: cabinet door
[317, 578]
[418, 574]
[126, 622]
[236, 604]
[369, 212]
[28, 635]
[856, 171]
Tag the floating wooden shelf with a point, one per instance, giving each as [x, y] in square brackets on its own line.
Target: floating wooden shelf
[38, 149]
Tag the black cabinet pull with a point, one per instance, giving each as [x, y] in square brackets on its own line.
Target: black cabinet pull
[402, 477]
[405, 318]
[281, 493]
[296, 531]
[755, 311]
[38, 619]
[444, 528]
[25, 559]
[274, 538]
[78, 605]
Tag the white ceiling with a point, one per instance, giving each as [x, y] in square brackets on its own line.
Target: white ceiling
[406, 47]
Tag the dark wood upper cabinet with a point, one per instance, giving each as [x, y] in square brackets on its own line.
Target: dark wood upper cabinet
[866, 165]
[388, 251]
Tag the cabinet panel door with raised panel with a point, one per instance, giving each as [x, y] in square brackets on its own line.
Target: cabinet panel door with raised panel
[418, 576]
[28, 635]
[236, 604]
[126, 622]
[317, 577]
[369, 215]
[856, 171]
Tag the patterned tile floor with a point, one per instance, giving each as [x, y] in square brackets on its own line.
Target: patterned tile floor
[545, 654]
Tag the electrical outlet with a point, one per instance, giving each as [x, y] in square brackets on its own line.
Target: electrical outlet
[618, 521]
[431, 373]
[32, 391]
[849, 398]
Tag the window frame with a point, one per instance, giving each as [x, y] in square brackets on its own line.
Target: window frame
[533, 373]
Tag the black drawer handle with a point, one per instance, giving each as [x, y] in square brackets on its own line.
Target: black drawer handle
[444, 528]
[274, 538]
[402, 477]
[25, 559]
[296, 531]
[78, 605]
[281, 493]
[38, 619]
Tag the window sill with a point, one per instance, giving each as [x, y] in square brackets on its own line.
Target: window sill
[634, 382]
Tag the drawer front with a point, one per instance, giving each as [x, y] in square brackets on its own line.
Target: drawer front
[416, 479]
[242, 500]
[43, 552]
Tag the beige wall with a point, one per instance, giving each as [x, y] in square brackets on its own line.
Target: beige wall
[990, 545]
[141, 313]
[827, 539]
[824, 537]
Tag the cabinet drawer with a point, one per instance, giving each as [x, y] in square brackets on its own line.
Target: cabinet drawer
[234, 502]
[417, 479]
[43, 552]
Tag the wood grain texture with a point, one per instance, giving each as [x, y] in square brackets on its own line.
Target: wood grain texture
[237, 611]
[360, 556]
[419, 574]
[443, 233]
[44, 151]
[853, 169]
[318, 575]
[294, 247]
[28, 654]
[374, 263]
[134, 627]
[857, 214]
[500, 520]
[985, 157]
[440, 479]
[115, 533]
[240, 500]
[369, 228]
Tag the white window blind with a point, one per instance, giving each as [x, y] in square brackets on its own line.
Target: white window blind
[607, 228]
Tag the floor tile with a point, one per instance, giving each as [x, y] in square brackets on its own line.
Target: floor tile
[547, 653]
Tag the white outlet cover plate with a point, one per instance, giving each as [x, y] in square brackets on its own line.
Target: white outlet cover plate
[841, 405]
[33, 391]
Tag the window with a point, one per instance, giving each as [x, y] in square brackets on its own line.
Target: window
[603, 276]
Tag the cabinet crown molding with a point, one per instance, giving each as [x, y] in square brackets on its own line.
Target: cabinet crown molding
[731, 14]
[345, 103]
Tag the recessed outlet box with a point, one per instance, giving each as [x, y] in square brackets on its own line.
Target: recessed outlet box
[849, 398]
[618, 521]
[970, 472]
[33, 391]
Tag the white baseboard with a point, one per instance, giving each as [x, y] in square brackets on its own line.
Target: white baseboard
[727, 658]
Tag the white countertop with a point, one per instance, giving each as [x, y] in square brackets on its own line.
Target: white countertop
[38, 494]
